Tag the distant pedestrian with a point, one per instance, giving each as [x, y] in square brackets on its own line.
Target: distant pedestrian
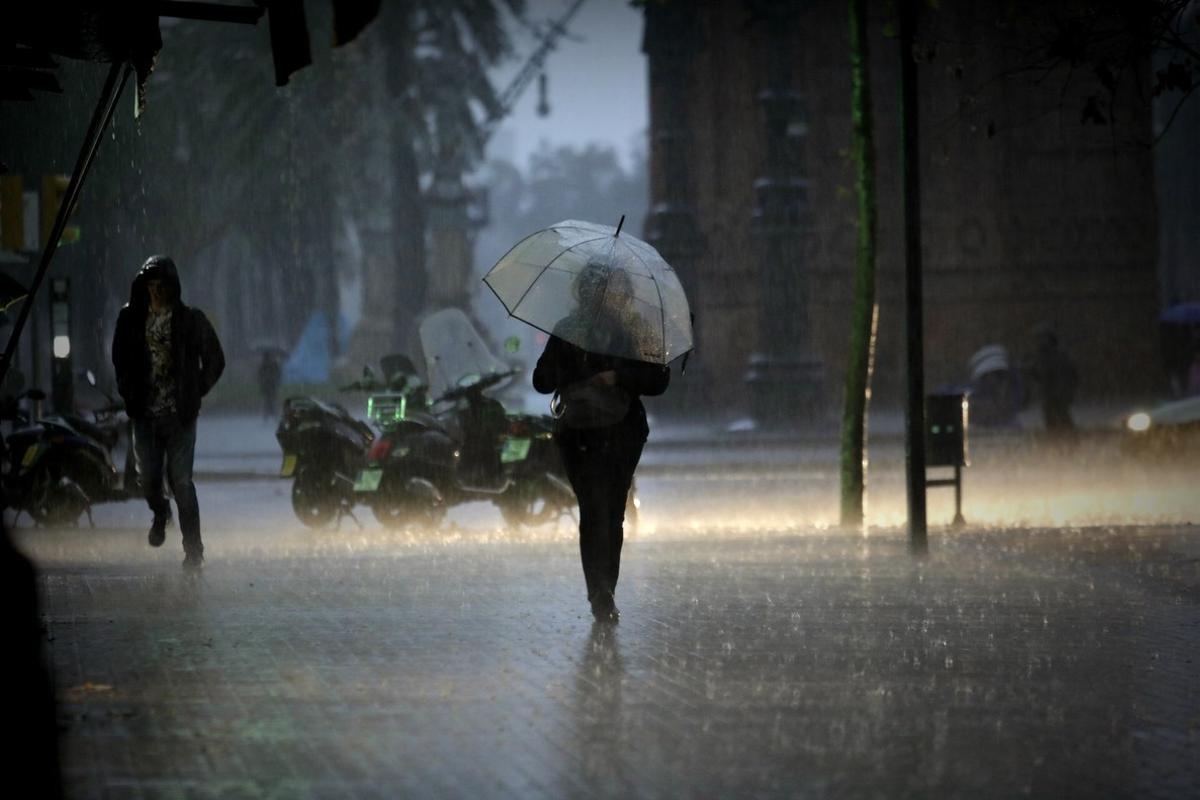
[602, 427]
[1057, 379]
[167, 357]
[269, 371]
[1191, 383]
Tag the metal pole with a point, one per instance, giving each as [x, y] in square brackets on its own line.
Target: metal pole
[914, 416]
[209, 12]
[117, 75]
[959, 521]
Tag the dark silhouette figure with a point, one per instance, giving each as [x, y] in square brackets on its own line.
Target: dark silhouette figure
[31, 746]
[1189, 380]
[600, 434]
[167, 357]
[1054, 373]
[269, 372]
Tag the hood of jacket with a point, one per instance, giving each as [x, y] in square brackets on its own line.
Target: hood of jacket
[155, 267]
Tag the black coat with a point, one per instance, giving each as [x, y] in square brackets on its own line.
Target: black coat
[196, 353]
[562, 364]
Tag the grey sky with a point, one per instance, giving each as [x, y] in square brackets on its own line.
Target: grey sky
[597, 82]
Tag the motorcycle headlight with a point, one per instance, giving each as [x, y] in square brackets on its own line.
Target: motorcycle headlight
[1138, 422]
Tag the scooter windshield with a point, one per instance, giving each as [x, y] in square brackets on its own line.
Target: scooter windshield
[455, 354]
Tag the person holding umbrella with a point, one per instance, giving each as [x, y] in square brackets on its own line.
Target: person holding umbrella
[617, 317]
[601, 426]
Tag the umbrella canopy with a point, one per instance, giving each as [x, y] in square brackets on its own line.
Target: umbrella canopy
[596, 288]
[10, 291]
[1182, 314]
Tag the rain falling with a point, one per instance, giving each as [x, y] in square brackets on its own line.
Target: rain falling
[578, 398]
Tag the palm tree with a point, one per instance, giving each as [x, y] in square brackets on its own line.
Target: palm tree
[434, 57]
[864, 313]
[221, 152]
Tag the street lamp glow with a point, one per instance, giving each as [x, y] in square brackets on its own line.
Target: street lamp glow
[62, 346]
[1138, 422]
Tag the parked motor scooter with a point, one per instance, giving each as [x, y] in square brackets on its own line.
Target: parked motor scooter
[59, 466]
[323, 450]
[471, 451]
[466, 447]
[18, 419]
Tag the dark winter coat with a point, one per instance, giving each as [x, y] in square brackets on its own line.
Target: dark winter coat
[196, 354]
[563, 364]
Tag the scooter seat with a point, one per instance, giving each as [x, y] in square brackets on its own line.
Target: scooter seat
[105, 436]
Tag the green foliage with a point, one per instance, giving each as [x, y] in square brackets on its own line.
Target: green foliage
[221, 152]
[1105, 46]
[566, 182]
[444, 74]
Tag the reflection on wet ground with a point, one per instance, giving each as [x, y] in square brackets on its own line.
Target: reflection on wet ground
[693, 492]
[1009, 661]
[761, 650]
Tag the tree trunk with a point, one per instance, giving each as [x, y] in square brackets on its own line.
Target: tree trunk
[373, 139]
[864, 315]
[411, 288]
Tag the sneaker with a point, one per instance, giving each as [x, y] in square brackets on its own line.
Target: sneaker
[193, 561]
[158, 531]
[604, 608]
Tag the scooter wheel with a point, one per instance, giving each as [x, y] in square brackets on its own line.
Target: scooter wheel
[529, 510]
[401, 510]
[53, 500]
[315, 499]
[535, 502]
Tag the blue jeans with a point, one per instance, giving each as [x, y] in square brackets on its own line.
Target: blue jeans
[161, 442]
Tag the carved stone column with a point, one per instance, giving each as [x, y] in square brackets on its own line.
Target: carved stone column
[784, 379]
[671, 39]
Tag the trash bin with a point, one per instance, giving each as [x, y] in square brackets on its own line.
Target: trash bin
[946, 430]
[946, 442]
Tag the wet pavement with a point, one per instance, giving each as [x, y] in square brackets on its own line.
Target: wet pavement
[749, 662]
[1047, 649]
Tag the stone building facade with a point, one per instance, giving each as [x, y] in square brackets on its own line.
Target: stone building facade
[1029, 216]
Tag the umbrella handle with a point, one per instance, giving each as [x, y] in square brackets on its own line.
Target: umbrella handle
[683, 365]
[557, 406]
[619, 224]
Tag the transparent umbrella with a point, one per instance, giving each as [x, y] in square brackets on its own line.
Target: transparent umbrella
[597, 288]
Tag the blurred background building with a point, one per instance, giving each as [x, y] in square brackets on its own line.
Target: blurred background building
[1033, 214]
[325, 217]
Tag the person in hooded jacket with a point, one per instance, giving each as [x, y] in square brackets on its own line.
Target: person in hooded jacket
[1054, 372]
[601, 440]
[167, 357]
